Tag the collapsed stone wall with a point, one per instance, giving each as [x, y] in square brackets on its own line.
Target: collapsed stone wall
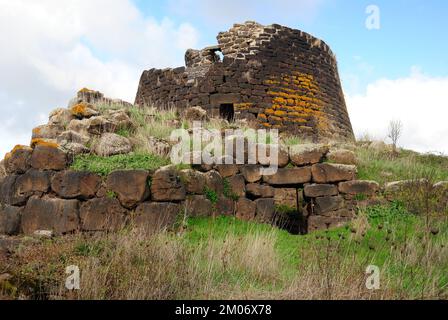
[40, 193]
[274, 76]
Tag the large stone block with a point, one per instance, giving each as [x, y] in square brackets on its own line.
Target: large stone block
[251, 173]
[156, 216]
[10, 220]
[18, 160]
[359, 187]
[131, 186]
[47, 131]
[330, 173]
[328, 204]
[307, 154]
[111, 144]
[214, 181]
[264, 154]
[102, 214]
[74, 184]
[9, 194]
[342, 156]
[221, 98]
[289, 176]
[320, 190]
[225, 206]
[255, 190]
[48, 157]
[237, 185]
[193, 180]
[33, 182]
[59, 216]
[198, 206]
[265, 210]
[166, 186]
[246, 209]
[286, 197]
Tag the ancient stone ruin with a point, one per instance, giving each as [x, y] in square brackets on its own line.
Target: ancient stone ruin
[272, 75]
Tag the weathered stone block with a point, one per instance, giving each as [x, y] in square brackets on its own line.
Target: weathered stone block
[102, 214]
[307, 154]
[10, 220]
[359, 187]
[154, 217]
[264, 154]
[198, 206]
[18, 160]
[342, 156]
[289, 176]
[320, 190]
[255, 190]
[193, 180]
[59, 216]
[225, 207]
[286, 197]
[74, 184]
[166, 185]
[112, 144]
[237, 185]
[9, 194]
[48, 157]
[330, 173]
[328, 204]
[131, 186]
[251, 173]
[246, 209]
[214, 181]
[265, 210]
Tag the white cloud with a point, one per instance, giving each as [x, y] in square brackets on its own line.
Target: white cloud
[52, 48]
[419, 101]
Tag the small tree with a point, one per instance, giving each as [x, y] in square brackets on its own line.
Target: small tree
[394, 133]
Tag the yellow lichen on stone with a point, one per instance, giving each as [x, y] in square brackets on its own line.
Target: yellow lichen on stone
[44, 142]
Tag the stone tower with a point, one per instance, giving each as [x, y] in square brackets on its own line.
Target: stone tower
[272, 75]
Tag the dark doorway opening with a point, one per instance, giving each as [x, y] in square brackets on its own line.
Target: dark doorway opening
[227, 111]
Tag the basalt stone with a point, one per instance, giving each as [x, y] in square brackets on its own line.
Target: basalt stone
[33, 182]
[225, 206]
[111, 144]
[342, 156]
[75, 184]
[18, 160]
[280, 155]
[328, 204]
[227, 170]
[47, 131]
[330, 173]
[154, 217]
[289, 176]
[198, 206]
[255, 190]
[265, 210]
[102, 214]
[193, 180]
[9, 194]
[48, 157]
[166, 185]
[286, 197]
[357, 187]
[246, 209]
[237, 185]
[320, 190]
[307, 154]
[251, 173]
[10, 219]
[57, 215]
[131, 186]
[214, 182]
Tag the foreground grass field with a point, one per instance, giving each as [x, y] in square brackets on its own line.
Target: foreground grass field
[229, 259]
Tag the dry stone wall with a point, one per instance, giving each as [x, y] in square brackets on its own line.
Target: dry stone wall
[274, 76]
[41, 193]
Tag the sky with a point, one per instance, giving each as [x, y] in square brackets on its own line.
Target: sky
[396, 70]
